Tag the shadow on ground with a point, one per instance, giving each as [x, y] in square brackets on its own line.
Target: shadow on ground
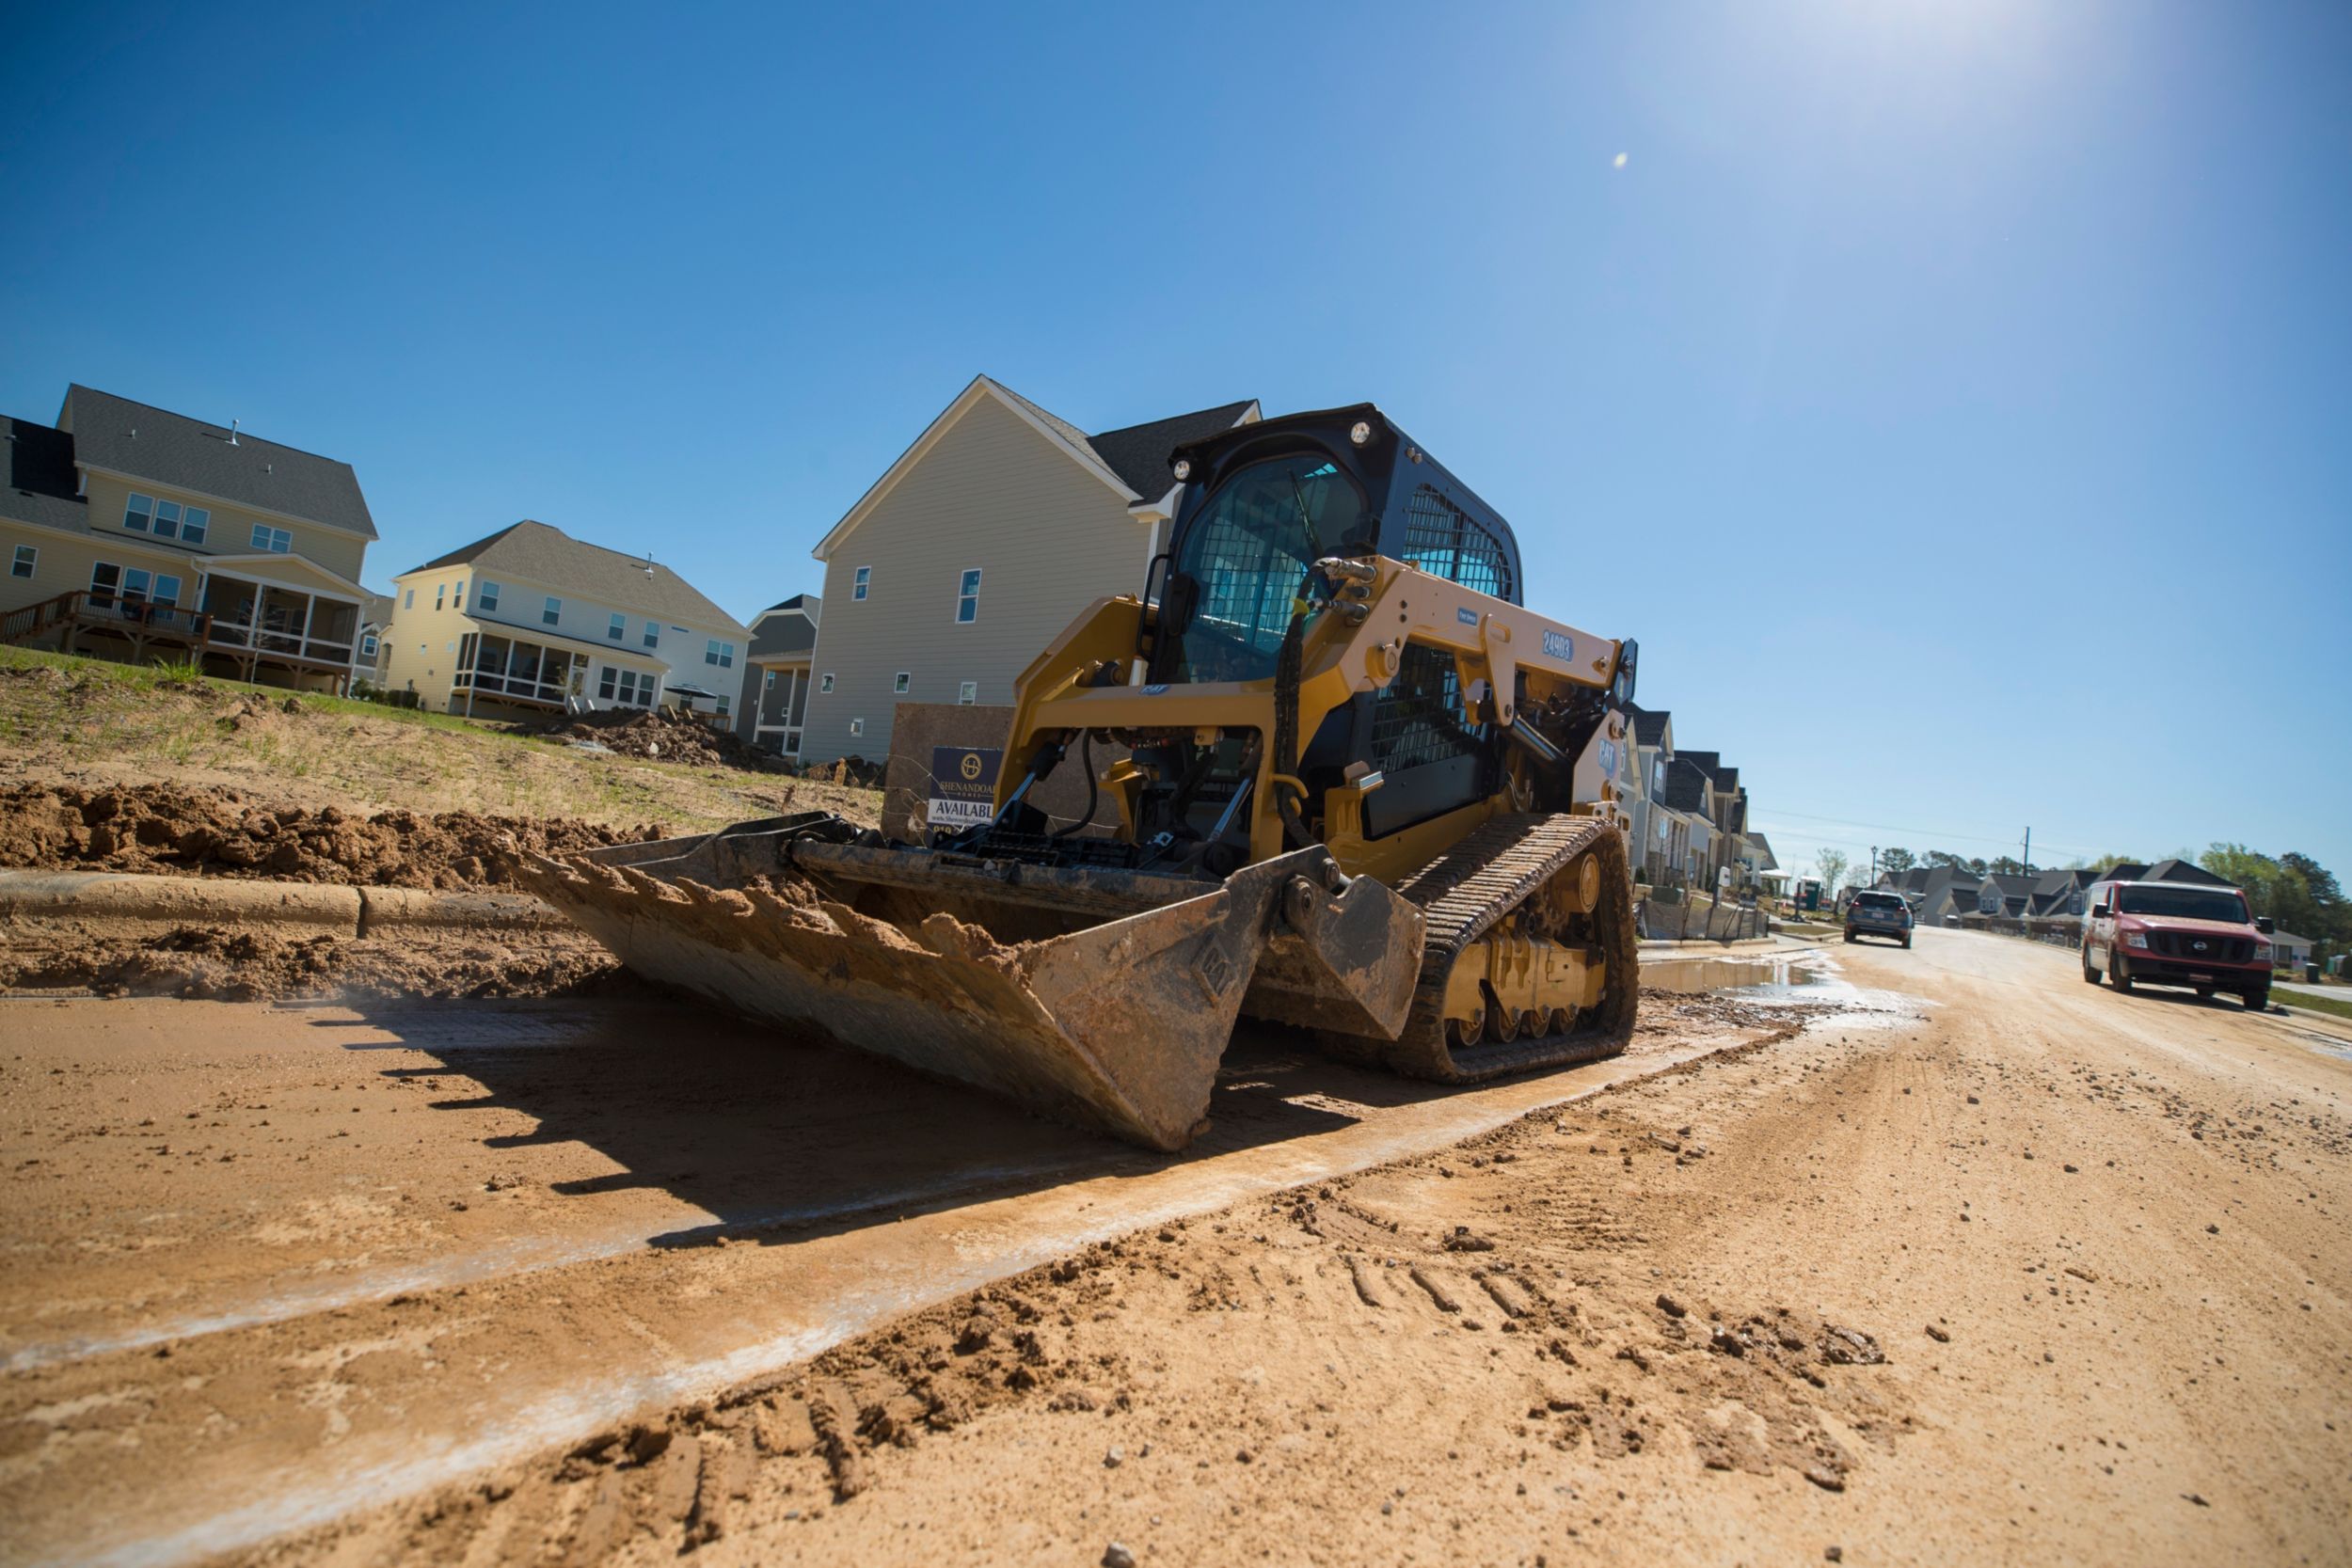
[779, 1138]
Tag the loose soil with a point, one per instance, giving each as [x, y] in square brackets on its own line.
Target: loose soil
[165, 828]
[2034, 1272]
[203, 962]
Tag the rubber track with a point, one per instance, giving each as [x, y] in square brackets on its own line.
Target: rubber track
[1461, 895]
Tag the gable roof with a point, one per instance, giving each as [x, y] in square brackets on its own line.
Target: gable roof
[544, 553]
[2185, 871]
[37, 482]
[807, 604]
[2012, 885]
[1686, 785]
[1134, 468]
[146, 442]
[1649, 725]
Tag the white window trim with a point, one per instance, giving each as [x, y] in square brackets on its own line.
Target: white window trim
[28, 557]
[861, 584]
[616, 628]
[824, 684]
[857, 727]
[486, 596]
[653, 634]
[552, 611]
[968, 694]
[902, 682]
[963, 598]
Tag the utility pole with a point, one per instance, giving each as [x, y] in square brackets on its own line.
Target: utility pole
[1874, 865]
[2028, 851]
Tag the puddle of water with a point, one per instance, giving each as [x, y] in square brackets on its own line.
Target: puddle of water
[1722, 973]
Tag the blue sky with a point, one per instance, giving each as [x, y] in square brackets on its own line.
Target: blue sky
[1955, 399]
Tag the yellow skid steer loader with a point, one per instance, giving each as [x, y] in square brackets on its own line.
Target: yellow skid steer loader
[1337, 777]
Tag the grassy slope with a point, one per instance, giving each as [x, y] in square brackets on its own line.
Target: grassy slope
[92, 722]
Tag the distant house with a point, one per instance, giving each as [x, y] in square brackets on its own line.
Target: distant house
[2183, 871]
[1935, 891]
[2009, 893]
[2059, 892]
[1649, 733]
[529, 620]
[134, 532]
[995, 529]
[2289, 951]
[776, 677]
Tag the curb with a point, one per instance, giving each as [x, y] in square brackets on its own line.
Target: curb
[332, 906]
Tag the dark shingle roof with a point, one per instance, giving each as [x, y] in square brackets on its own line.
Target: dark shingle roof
[2013, 883]
[38, 468]
[2184, 871]
[777, 635]
[808, 602]
[173, 450]
[547, 554]
[1686, 785]
[1649, 725]
[1139, 453]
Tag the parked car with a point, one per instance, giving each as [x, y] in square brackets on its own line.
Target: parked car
[2178, 934]
[1879, 915]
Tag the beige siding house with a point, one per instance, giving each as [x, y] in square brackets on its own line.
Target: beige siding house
[532, 621]
[995, 529]
[136, 532]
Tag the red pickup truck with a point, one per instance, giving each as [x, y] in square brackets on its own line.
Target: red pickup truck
[2178, 934]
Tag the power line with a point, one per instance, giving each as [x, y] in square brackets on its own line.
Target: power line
[1921, 833]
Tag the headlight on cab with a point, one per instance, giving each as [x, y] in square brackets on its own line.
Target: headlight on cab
[2136, 938]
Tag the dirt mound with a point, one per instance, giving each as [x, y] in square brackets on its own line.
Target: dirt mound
[662, 737]
[219, 964]
[221, 832]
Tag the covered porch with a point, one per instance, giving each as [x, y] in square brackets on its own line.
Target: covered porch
[269, 630]
[498, 668]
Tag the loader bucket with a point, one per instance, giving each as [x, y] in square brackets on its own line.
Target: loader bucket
[1103, 998]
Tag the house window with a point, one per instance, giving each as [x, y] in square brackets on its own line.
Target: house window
[440, 590]
[653, 634]
[166, 519]
[861, 582]
[968, 598]
[485, 597]
[195, 525]
[367, 646]
[136, 515]
[617, 628]
[277, 541]
[768, 680]
[626, 688]
[720, 654]
[824, 684]
[723, 707]
[552, 611]
[109, 582]
[409, 599]
[968, 694]
[899, 683]
[27, 557]
[857, 726]
[458, 598]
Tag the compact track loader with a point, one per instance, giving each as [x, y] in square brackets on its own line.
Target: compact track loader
[1337, 777]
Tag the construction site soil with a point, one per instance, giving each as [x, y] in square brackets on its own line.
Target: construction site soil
[1973, 1264]
[216, 832]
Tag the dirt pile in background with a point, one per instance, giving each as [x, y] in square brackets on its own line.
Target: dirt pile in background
[658, 736]
[222, 832]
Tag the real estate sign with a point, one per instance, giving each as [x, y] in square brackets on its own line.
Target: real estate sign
[964, 784]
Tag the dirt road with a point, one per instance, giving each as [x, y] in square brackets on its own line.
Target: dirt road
[2024, 1271]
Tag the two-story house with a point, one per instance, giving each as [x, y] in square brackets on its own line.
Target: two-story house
[134, 532]
[774, 702]
[529, 620]
[988, 536]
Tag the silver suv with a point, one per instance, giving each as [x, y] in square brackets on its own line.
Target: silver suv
[1876, 913]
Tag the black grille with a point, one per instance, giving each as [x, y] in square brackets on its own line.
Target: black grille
[1417, 719]
[1440, 538]
[2218, 950]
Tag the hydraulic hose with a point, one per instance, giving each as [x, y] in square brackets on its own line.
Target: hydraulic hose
[1086, 760]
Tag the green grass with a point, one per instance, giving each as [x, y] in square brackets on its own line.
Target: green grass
[2333, 1006]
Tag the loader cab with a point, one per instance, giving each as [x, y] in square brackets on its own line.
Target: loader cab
[1261, 504]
